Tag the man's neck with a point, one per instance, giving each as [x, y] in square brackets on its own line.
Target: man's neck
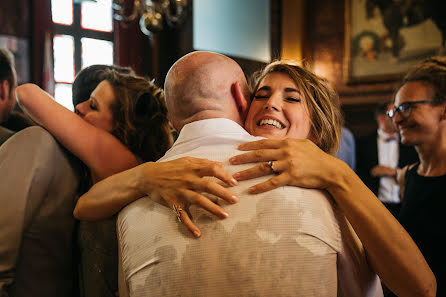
[211, 114]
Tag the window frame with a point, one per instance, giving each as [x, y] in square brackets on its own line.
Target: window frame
[76, 30]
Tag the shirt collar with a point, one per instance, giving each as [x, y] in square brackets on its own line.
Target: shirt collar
[209, 127]
[386, 136]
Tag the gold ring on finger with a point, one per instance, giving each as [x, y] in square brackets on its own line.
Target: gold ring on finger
[177, 210]
[271, 165]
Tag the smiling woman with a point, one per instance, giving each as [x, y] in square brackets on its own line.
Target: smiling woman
[291, 102]
[420, 115]
[278, 110]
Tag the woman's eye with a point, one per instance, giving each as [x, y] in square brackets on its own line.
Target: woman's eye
[92, 106]
[294, 100]
[259, 97]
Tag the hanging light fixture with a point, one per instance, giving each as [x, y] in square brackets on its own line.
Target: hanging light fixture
[153, 14]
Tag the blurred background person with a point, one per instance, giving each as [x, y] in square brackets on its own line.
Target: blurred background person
[347, 148]
[379, 156]
[420, 115]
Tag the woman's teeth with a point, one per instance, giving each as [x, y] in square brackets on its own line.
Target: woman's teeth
[271, 123]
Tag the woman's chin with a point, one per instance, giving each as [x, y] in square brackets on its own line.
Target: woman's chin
[269, 133]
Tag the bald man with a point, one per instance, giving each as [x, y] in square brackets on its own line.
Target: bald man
[286, 242]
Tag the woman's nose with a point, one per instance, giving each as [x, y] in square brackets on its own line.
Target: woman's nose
[80, 108]
[273, 103]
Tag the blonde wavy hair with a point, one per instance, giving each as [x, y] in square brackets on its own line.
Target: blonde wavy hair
[321, 100]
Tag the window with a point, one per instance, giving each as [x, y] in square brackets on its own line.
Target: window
[84, 36]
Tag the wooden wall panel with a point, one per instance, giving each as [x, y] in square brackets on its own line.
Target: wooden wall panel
[15, 18]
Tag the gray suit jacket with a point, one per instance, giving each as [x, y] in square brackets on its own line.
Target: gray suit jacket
[5, 134]
[38, 192]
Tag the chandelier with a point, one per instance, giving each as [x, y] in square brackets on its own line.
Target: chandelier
[153, 14]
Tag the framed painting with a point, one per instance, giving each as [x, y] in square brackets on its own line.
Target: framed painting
[383, 38]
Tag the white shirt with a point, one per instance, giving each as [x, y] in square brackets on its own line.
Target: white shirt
[286, 242]
[388, 151]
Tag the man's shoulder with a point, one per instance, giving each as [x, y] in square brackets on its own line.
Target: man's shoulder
[17, 121]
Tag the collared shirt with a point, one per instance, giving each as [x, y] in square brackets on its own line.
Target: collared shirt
[286, 242]
[388, 150]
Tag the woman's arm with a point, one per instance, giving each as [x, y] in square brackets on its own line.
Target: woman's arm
[103, 153]
[178, 182]
[390, 251]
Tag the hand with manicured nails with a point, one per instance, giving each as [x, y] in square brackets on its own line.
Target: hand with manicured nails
[297, 162]
[180, 182]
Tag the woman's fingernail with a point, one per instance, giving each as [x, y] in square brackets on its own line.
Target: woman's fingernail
[234, 182]
[224, 215]
[197, 234]
[232, 160]
[234, 198]
[236, 176]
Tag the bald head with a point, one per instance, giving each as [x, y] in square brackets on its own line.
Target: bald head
[203, 85]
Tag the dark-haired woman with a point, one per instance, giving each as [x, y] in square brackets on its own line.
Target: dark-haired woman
[120, 124]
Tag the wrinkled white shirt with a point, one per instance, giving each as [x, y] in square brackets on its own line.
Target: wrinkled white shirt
[287, 242]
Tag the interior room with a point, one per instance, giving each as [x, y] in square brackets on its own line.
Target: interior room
[126, 172]
[309, 31]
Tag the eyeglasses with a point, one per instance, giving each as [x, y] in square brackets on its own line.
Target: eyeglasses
[405, 108]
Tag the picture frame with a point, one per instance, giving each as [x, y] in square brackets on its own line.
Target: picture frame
[383, 39]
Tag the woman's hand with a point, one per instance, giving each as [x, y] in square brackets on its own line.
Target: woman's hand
[296, 162]
[180, 182]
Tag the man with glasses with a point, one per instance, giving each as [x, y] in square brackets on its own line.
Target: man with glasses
[381, 155]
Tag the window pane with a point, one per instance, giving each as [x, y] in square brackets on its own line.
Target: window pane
[63, 58]
[95, 51]
[63, 95]
[97, 15]
[62, 11]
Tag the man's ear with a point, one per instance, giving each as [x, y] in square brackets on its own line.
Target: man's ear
[4, 90]
[240, 99]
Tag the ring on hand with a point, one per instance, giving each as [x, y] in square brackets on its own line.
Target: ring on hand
[177, 210]
[271, 165]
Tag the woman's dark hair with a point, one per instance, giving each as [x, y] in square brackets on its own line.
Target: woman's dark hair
[139, 112]
[89, 78]
[140, 116]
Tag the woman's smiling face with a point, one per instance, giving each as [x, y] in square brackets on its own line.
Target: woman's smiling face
[278, 109]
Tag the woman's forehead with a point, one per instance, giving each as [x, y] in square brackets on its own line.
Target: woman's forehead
[277, 77]
[415, 90]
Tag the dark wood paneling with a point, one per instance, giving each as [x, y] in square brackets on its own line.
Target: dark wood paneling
[15, 18]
